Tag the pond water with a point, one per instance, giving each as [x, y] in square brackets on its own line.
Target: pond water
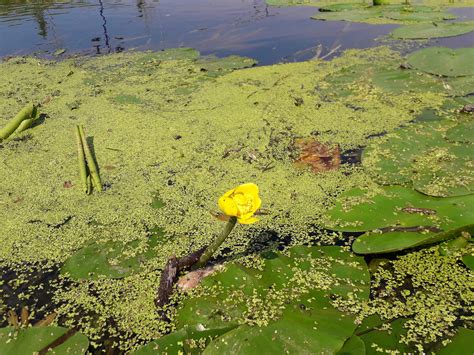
[245, 27]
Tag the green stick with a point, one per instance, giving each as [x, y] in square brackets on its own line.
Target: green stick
[13, 124]
[82, 160]
[90, 162]
[217, 243]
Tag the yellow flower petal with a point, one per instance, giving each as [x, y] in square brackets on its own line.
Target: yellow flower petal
[256, 203]
[249, 188]
[248, 220]
[228, 206]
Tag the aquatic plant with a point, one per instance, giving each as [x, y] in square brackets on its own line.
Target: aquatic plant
[280, 303]
[397, 218]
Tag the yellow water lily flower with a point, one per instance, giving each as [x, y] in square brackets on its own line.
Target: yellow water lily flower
[241, 202]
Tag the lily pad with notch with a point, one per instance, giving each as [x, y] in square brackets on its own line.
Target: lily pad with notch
[112, 259]
[33, 339]
[293, 321]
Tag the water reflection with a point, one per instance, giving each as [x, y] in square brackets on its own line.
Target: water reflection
[222, 27]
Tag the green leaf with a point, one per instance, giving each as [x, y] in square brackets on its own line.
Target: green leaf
[461, 343]
[379, 243]
[215, 66]
[353, 346]
[468, 260]
[110, 259]
[295, 321]
[182, 341]
[444, 61]
[433, 30]
[381, 341]
[127, 100]
[397, 206]
[157, 202]
[397, 81]
[409, 16]
[419, 153]
[462, 133]
[33, 339]
[171, 54]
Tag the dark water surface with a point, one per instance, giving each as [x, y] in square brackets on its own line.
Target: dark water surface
[221, 27]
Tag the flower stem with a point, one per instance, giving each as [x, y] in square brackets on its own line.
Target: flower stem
[217, 243]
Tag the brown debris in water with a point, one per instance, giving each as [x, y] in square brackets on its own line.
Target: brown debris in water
[320, 157]
[193, 278]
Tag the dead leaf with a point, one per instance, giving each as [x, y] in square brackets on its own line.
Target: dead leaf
[67, 184]
[46, 321]
[193, 278]
[320, 157]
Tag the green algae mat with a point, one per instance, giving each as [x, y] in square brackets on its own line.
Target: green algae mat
[171, 131]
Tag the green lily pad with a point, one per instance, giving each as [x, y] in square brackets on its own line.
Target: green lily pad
[397, 81]
[343, 7]
[418, 16]
[353, 346]
[462, 133]
[433, 30]
[270, 319]
[389, 242]
[468, 260]
[357, 15]
[110, 259]
[397, 206]
[172, 54]
[420, 154]
[446, 171]
[444, 61]
[391, 160]
[157, 202]
[184, 341]
[33, 339]
[215, 66]
[386, 341]
[127, 100]
[461, 343]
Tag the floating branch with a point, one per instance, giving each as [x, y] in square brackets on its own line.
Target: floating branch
[90, 161]
[28, 112]
[85, 179]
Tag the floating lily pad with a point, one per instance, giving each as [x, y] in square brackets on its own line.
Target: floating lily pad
[377, 341]
[399, 218]
[418, 16]
[397, 206]
[110, 260]
[33, 339]
[343, 7]
[215, 66]
[468, 260]
[445, 172]
[172, 54]
[420, 154]
[353, 346]
[433, 30]
[444, 61]
[298, 321]
[461, 343]
[389, 242]
[127, 100]
[462, 133]
[357, 15]
[184, 341]
[391, 160]
[157, 202]
[397, 81]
